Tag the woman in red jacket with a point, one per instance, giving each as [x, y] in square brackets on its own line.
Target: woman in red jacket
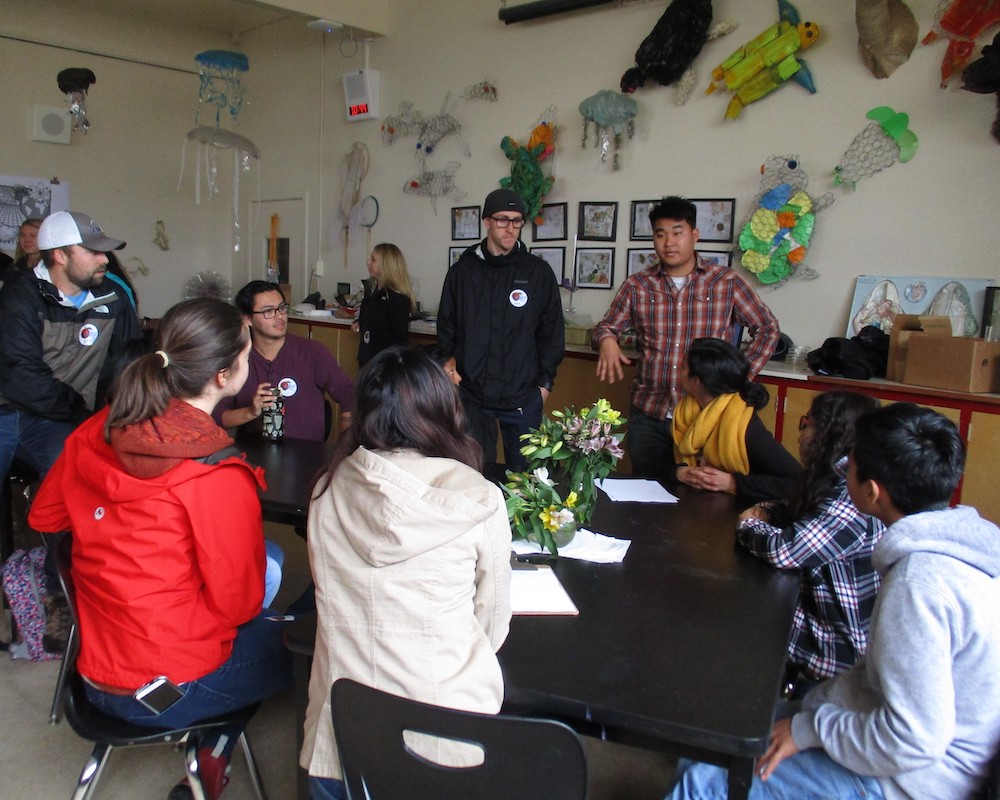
[168, 551]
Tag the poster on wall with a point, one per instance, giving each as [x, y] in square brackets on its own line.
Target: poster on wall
[28, 198]
[879, 298]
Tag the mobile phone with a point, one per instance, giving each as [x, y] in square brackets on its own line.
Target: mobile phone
[159, 694]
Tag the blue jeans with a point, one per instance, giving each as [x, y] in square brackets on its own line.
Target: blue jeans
[808, 775]
[482, 422]
[37, 441]
[259, 667]
[651, 446]
[327, 789]
[272, 572]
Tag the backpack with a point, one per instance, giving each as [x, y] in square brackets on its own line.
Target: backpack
[24, 585]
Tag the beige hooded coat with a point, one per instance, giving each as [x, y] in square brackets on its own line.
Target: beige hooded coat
[411, 559]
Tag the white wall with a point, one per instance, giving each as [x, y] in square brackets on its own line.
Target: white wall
[936, 215]
[124, 171]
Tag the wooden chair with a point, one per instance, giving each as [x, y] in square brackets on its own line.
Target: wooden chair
[523, 758]
[107, 732]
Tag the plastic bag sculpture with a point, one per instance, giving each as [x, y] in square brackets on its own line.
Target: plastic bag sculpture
[983, 76]
[885, 141]
[775, 236]
[667, 53]
[609, 111]
[527, 177]
[765, 64]
[221, 86]
[74, 82]
[887, 34]
[961, 22]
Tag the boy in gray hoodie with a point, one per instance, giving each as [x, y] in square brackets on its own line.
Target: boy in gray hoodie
[919, 715]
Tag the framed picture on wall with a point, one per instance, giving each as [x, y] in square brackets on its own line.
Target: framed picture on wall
[553, 224]
[723, 257]
[598, 222]
[454, 253]
[715, 220]
[464, 223]
[640, 258]
[641, 227]
[555, 257]
[595, 268]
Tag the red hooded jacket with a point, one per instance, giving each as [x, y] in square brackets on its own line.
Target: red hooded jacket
[168, 552]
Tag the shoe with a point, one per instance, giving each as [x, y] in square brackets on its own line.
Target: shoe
[181, 792]
[213, 771]
[57, 624]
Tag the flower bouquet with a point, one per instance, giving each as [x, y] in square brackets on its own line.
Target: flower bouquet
[567, 454]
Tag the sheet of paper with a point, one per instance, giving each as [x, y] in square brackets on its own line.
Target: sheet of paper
[635, 490]
[586, 546]
[535, 589]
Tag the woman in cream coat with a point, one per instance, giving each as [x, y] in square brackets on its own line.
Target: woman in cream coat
[410, 553]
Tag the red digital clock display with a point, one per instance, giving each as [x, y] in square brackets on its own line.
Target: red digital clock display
[358, 110]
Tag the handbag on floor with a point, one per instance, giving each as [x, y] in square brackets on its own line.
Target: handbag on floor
[24, 585]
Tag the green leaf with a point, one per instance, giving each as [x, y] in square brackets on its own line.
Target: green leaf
[907, 146]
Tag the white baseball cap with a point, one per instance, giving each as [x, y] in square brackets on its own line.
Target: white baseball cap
[64, 228]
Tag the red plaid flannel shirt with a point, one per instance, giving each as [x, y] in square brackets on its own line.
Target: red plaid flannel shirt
[667, 320]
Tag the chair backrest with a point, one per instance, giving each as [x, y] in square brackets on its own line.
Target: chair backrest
[523, 758]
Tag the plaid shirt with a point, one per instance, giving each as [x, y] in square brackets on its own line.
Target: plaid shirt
[834, 548]
[668, 319]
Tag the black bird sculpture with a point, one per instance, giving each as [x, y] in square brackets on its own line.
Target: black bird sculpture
[674, 43]
[983, 76]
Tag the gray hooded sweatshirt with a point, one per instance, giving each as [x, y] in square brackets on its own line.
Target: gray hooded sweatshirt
[921, 711]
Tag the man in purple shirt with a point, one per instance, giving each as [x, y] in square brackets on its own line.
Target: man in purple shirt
[303, 369]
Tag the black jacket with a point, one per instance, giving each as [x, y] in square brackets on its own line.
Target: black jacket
[384, 321]
[58, 361]
[501, 317]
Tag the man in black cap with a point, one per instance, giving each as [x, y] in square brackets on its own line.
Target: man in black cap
[501, 317]
[62, 330]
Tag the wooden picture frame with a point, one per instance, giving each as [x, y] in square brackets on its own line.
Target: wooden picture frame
[555, 257]
[552, 228]
[715, 219]
[465, 223]
[595, 268]
[598, 221]
[640, 228]
[641, 258]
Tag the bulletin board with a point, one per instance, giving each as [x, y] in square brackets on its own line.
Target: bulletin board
[879, 298]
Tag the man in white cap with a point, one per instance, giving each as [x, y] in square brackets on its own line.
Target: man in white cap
[501, 318]
[62, 330]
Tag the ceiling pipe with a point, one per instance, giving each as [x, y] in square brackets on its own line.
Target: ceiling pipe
[544, 8]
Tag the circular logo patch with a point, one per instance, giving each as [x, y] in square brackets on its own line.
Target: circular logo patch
[288, 387]
[518, 298]
[88, 334]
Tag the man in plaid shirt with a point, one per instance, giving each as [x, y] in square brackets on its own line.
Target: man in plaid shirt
[681, 299]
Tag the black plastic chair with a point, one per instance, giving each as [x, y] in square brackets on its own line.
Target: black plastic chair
[108, 732]
[524, 758]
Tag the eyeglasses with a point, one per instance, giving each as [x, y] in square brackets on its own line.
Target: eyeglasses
[803, 422]
[268, 313]
[503, 222]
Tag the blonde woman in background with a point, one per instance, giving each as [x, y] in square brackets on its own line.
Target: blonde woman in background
[385, 312]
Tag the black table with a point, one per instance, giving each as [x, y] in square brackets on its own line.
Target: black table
[290, 469]
[682, 644]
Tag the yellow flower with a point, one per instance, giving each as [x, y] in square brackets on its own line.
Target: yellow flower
[571, 500]
[548, 517]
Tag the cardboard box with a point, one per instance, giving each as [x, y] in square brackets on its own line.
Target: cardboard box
[953, 362]
[902, 327]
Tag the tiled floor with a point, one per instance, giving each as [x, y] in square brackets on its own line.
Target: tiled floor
[43, 761]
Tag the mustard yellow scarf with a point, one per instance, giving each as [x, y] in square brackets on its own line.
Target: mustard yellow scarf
[718, 432]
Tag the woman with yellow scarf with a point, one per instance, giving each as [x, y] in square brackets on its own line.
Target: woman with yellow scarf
[720, 444]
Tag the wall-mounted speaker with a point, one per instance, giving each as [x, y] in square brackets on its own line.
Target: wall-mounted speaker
[52, 124]
[361, 94]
